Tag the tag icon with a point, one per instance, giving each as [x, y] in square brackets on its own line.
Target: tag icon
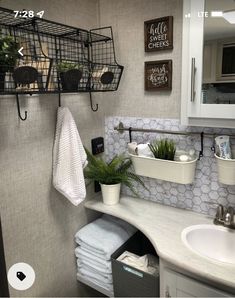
[20, 275]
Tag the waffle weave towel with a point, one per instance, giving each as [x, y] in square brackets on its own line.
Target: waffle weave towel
[69, 158]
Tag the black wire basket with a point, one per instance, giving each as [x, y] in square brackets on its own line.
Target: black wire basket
[56, 58]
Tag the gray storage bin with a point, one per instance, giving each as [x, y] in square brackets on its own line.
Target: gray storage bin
[129, 281]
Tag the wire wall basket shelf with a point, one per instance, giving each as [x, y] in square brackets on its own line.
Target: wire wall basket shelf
[55, 58]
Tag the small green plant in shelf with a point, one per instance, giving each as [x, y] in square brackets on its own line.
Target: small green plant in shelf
[163, 149]
[64, 66]
[8, 53]
[8, 56]
[70, 75]
[110, 175]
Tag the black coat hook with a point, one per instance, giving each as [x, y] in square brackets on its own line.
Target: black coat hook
[18, 108]
[59, 101]
[96, 107]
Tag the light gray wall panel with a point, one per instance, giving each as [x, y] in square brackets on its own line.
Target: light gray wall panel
[38, 223]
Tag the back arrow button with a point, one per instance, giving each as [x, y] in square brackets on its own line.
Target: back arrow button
[20, 51]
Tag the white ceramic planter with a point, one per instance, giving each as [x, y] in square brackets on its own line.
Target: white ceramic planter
[226, 170]
[111, 193]
[173, 171]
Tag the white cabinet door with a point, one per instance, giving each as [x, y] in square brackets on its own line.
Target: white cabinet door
[193, 110]
[178, 285]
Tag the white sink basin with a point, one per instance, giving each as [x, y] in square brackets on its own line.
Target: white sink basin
[214, 242]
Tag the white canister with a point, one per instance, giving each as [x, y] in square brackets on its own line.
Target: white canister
[111, 193]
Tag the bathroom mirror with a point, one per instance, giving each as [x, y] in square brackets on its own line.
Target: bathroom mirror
[218, 78]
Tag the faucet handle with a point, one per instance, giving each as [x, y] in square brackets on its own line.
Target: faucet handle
[220, 212]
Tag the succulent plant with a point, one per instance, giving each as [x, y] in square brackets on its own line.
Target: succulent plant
[163, 149]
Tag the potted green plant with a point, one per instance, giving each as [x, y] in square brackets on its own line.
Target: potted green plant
[8, 57]
[70, 75]
[111, 175]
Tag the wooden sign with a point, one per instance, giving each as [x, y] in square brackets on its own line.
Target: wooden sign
[158, 75]
[158, 34]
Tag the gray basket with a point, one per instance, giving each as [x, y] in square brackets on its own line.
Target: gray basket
[129, 281]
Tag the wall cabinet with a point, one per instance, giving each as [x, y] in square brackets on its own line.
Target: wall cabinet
[178, 285]
[195, 109]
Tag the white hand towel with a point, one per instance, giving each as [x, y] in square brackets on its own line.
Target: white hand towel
[69, 158]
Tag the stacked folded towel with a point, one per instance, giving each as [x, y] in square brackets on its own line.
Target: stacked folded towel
[97, 242]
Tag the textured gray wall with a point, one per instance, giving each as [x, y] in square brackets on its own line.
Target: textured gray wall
[38, 223]
[127, 18]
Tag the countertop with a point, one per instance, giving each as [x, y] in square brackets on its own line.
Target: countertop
[163, 226]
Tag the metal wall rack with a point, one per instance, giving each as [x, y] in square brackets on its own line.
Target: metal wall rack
[47, 44]
[121, 129]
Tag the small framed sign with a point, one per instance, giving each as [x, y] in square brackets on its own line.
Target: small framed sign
[158, 34]
[158, 75]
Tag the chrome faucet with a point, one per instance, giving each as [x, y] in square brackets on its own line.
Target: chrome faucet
[219, 217]
[225, 217]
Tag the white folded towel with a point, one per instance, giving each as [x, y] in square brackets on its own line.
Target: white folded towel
[108, 279]
[92, 257]
[86, 263]
[125, 225]
[106, 286]
[69, 158]
[92, 251]
[102, 237]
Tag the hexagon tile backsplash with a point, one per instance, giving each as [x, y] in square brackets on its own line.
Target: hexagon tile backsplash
[201, 196]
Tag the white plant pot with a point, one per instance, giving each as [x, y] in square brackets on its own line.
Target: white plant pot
[111, 193]
[226, 170]
[167, 170]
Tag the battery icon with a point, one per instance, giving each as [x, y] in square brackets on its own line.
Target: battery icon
[216, 14]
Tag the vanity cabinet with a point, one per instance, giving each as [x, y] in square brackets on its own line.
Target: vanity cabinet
[178, 285]
[208, 94]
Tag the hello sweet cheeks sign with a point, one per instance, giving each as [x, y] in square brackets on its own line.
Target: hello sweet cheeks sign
[159, 34]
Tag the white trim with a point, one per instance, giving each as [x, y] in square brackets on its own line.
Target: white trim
[197, 113]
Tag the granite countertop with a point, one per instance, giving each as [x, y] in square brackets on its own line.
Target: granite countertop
[163, 226]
